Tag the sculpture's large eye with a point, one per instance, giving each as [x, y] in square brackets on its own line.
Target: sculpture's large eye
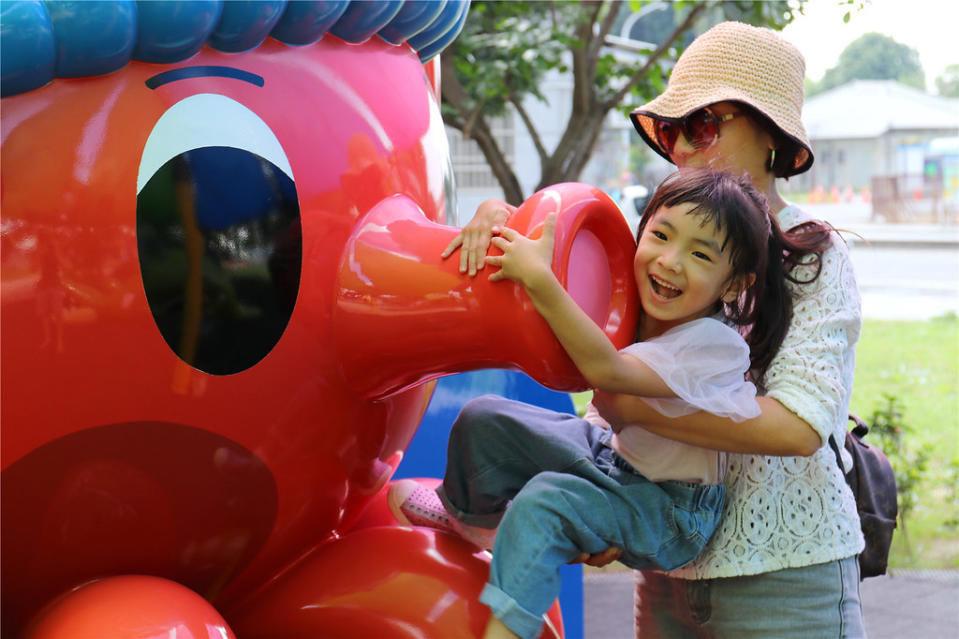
[218, 233]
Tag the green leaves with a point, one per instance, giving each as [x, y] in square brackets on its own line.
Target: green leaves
[910, 463]
[875, 56]
[505, 49]
[616, 54]
[947, 84]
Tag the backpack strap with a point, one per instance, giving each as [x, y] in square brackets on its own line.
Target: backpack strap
[835, 449]
[859, 430]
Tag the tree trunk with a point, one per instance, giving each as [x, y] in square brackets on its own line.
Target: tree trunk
[476, 128]
[512, 192]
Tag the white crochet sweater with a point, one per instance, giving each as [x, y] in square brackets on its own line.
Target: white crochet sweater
[788, 512]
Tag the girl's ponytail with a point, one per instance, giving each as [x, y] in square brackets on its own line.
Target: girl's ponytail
[801, 245]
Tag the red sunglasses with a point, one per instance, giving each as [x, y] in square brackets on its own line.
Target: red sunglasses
[700, 128]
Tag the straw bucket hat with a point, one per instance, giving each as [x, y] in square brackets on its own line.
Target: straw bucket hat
[736, 62]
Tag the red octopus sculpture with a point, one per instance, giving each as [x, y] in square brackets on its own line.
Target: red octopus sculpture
[222, 305]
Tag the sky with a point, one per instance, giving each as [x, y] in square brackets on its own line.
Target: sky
[929, 26]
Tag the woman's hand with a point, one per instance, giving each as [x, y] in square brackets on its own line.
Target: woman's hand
[614, 407]
[474, 240]
[524, 261]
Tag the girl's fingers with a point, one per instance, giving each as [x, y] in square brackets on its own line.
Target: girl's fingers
[475, 246]
[507, 232]
[549, 226]
[466, 253]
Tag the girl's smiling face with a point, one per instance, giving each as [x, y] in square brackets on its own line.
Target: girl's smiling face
[681, 268]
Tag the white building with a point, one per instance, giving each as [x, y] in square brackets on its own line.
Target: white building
[871, 129]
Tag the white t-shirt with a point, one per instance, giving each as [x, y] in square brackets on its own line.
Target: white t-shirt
[704, 362]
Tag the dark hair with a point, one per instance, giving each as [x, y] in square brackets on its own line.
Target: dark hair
[756, 246]
[787, 148]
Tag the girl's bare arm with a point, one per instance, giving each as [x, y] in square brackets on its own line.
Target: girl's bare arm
[528, 262]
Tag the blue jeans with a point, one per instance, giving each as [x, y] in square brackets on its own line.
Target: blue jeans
[812, 602]
[568, 493]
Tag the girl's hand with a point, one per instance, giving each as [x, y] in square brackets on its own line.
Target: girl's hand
[474, 240]
[524, 261]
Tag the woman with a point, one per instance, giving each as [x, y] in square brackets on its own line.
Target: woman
[784, 560]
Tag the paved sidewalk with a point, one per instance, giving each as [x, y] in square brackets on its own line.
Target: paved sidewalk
[904, 605]
[856, 217]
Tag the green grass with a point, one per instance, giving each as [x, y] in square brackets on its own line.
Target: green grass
[917, 362]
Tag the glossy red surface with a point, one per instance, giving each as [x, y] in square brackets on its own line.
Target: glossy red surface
[132, 607]
[410, 582]
[120, 457]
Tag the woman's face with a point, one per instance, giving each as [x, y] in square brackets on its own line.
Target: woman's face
[743, 146]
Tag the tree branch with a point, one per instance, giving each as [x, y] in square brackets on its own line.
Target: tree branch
[608, 21]
[530, 127]
[583, 71]
[474, 127]
[470, 121]
[586, 29]
[450, 88]
[637, 77]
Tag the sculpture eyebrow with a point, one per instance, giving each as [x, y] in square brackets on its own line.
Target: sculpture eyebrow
[201, 71]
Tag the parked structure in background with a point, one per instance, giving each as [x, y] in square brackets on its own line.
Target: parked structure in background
[896, 145]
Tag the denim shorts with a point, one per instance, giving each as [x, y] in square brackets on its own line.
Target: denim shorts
[812, 602]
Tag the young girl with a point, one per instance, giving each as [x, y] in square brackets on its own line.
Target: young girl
[708, 256]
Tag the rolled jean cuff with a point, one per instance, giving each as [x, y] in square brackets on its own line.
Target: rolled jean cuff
[490, 521]
[518, 619]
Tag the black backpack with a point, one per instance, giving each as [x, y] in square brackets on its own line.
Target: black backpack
[873, 484]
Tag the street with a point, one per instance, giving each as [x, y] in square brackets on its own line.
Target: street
[904, 271]
[907, 283]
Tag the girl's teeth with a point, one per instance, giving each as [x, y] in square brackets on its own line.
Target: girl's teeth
[663, 289]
